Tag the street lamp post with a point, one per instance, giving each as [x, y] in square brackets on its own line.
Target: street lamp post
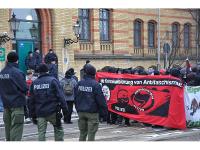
[14, 24]
[33, 30]
[76, 29]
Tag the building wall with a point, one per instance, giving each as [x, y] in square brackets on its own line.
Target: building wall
[4, 27]
[122, 38]
[120, 51]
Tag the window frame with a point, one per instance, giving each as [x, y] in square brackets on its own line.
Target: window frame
[176, 34]
[107, 20]
[81, 18]
[154, 34]
[140, 33]
[189, 34]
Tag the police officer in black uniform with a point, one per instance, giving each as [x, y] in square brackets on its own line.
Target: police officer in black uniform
[90, 103]
[46, 98]
[13, 90]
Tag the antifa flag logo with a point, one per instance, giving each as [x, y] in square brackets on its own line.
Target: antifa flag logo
[142, 99]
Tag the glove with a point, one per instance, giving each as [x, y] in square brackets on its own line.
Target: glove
[34, 120]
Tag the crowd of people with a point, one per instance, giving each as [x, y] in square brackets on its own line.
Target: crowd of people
[46, 99]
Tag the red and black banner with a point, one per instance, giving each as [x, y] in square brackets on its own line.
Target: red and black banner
[157, 100]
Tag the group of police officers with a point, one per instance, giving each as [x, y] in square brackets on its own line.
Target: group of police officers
[47, 101]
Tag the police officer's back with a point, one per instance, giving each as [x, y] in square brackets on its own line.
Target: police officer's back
[13, 90]
[89, 102]
[45, 96]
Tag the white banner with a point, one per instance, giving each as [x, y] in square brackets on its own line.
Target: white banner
[192, 105]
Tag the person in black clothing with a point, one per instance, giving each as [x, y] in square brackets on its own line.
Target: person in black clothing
[30, 61]
[71, 70]
[46, 96]
[51, 54]
[90, 103]
[37, 59]
[82, 71]
[13, 90]
[68, 84]
[53, 69]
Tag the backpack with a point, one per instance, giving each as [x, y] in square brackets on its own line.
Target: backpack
[68, 87]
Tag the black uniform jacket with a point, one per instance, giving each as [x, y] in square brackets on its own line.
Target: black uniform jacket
[89, 97]
[45, 94]
[13, 86]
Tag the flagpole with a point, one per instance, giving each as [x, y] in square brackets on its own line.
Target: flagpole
[158, 42]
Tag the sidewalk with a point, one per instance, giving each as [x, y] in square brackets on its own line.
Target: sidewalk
[27, 121]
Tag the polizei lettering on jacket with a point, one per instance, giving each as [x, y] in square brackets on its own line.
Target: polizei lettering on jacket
[85, 88]
[41, 86]
[4, 76]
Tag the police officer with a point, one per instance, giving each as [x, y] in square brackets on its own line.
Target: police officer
[13, 90]
[90, 103]
[46, 96]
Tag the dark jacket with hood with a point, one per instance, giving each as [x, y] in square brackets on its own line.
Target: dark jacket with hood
[13, 86]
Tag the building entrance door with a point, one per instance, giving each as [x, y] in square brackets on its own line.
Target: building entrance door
[23, 47]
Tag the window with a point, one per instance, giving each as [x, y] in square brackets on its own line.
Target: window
[28, 19]
[138, 34]
[187, 36]
[151, 34]
[175, 35]
[84, 20]
[104, 24]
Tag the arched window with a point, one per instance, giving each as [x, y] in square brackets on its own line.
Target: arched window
[186, 36]
[137, 33]
[104, 20]
[175, 35]
[151, 34]
[84, 20]
[28, 19]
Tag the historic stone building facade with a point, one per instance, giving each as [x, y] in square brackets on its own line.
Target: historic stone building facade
[115, 37]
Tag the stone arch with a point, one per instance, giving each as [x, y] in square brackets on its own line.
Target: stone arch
[46, 30]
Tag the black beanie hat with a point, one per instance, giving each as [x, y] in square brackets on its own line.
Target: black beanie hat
[12, 57]
[68, 73]
[72, 71]
[43, 68]
[90, 70]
